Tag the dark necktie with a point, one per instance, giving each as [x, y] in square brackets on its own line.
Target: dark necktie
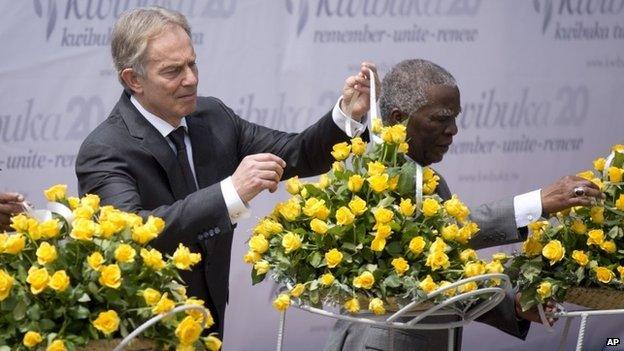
[177, 137]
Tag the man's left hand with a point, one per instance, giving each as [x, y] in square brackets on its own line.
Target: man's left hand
[356, 90]
[533, 314]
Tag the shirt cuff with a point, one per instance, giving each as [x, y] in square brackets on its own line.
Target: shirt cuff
[237, 209]
[527, 207]
[349, 126]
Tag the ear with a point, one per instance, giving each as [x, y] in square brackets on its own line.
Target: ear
[131, 79]
[396, 116]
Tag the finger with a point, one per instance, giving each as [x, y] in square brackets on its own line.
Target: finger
[11, 208]
[11, 197]
[270, 166]
[267, 184]
[351, 81]
[587, 184]
[4, 220]
[582, 201]
[593, 193]
[268, 175]
[361, 80]
[366, 65]
[269, 157]
[362, 90]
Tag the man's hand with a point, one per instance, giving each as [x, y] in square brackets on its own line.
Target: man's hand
[563, 194]
[257, 173]
[355, 93]
[10, 204]
[533, 314]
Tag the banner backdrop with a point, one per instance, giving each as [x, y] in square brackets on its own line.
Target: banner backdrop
[541, 82]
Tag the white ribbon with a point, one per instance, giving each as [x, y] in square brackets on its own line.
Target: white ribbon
[374, 109]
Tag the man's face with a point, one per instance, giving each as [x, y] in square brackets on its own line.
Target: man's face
[169, 86]
[430, 130]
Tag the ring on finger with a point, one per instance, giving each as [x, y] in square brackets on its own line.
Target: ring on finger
[579, 191]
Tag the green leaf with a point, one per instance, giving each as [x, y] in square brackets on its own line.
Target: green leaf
[34, 312]
[580, 274]
[84, 298]
[406, 180]
[531, 269]
[315, 259]
[392, 281]
[618, 160]
[394, 248]
[20, 311]
[528, 299]
[349, 247]
[79, 312]
[615, 232]
[256, 278]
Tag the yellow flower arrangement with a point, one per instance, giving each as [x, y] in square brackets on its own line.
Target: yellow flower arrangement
[64, 283]
[362, 238]
[580, 247]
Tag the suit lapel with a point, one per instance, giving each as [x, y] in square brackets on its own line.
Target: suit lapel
[154, 143]
[207, 164]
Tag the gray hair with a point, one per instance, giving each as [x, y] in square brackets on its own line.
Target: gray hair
[404, 86]
[134, 29]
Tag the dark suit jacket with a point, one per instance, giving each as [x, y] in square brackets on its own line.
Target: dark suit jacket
[130, 165]
[497, 227]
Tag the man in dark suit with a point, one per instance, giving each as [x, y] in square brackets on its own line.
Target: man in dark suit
[190, 160]
[425, 96]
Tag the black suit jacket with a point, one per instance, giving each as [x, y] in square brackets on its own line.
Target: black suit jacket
[130, 165]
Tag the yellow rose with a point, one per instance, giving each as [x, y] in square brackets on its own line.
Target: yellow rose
[580, 257]
[553, 251]
[604, 275]
[6, 284]
[599, 164]
[132, 219]
[450, 232]
[110, 276]
[251, 257]
[153, 259]
[355, 183]
[262, 267]
[290, 209]
[59, 281]
[212, 343]
[595, 237]
[341, 151]
[407, 208]
[83, 229]
[468, 255]
[73, 202]
[49, 229]
[395, 134]
[46, 253]
[430, 207]
[618, 148]
[473, 269]
[378, 244]
[163, 305]
[376, 168]
[267, 228]
[427, 285]
[400, 265]
[293, 185]
[364, 280]
[38, 279]
[544, 290]
[430, 186]
[615, 174]
[403, 147]
[107, 322]
[417, 245]
[456, 208]
[83, 212]
[184, 259]
[324, 181]
[291, 242]
[282, 302]
[438, 245]
[318, 226]
[357, 205]
[608, 246]
[383, 215]
[588, 175]
[316, 208]
[620, 270]
[338, 166]
[142, 234]
[297, 290]
[378, 183]
[151, 296]
[20, 223]
[383, 231]
[327, 279]
[531, 246]
[196, 314]
[377, 125]
[597, 215]
[578, 226]
[358, 146]
[437, 260]
[376, 306]
[125, 253]
[619, 203]
[333, 257]
[538, 227]
[188, 331]
[259, 244]
[32, 339]
[56, 345]
[494, 267]
[448, 292]
[344, 216]
[353, 305]
[91, 200]
[56, 192]
[95, 260]
[470, 286]
[14, 244]
[393, 183]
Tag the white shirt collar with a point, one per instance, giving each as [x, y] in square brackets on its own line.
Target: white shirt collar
[160, 124]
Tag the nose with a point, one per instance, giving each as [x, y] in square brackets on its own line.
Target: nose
[190, 76]
[451, 128]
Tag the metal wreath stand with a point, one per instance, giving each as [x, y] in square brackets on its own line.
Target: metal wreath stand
[584, 314]
[466, 307]
[65, 212]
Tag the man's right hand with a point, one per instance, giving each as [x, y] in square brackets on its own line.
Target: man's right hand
[10, 204]
[561, 194]
[257, 173]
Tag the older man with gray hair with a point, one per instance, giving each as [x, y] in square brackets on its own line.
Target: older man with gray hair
[425, 97]
[191, 160]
